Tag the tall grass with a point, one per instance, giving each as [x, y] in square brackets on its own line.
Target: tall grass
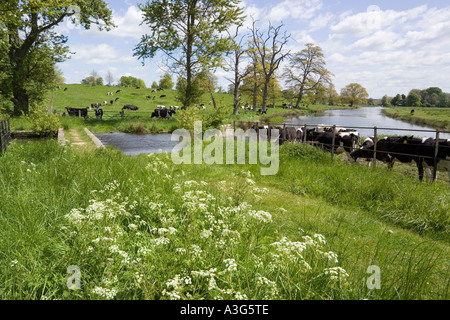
[144, 228]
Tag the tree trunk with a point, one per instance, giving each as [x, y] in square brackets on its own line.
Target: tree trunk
[300, 97]
[213, 100]
[265, 95]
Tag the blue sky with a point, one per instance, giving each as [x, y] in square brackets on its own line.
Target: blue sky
[388, 47]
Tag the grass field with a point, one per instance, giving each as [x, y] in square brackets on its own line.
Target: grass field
[144, 228]
[433, 117]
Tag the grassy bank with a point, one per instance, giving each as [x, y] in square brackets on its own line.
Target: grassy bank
[145, 228]
[438, 118]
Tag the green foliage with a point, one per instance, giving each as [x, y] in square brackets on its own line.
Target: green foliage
[413, 100]
[210, 118]
[129, 81]
[166, 82]
[354, 94]
[43, 123]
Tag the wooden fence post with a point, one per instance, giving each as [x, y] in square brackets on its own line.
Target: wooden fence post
[375, 141]
[304, 133]
[284, 133]
[436, 150]
[333, 140]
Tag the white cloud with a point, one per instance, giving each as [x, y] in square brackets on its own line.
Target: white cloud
[321, 21]
[294, 9]
[100, 54]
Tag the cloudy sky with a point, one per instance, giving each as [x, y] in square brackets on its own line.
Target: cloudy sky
[388, 47]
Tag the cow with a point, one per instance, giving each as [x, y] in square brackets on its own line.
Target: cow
[406, 150]
[260, 111]
[119, 91]
[162, 96]
[130, 107]
[65, 89]
[99, 114]
[83, 112]
[149, 97]
[324, 138]
[117, 99]
[111, 102]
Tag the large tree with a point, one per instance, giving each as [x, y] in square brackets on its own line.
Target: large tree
[270, 51]
[235, 64]
[28, 26]
[306, 71]
[190, 33]
[354, 94]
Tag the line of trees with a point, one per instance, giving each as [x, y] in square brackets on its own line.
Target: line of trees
[431, 97]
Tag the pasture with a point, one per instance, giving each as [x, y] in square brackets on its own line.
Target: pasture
[434, 117]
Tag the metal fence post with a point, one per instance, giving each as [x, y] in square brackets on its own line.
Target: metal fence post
[436, 151]
[375, 141]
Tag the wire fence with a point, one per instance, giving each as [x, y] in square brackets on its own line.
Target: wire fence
[438, 151]
[5, 135]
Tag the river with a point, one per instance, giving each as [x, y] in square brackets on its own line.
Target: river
[132, 144]
[367, 117]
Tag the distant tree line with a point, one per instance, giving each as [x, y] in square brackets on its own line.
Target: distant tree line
[432, 97]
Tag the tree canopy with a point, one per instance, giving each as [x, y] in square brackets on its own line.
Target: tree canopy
[190, 33]
[354, 94]
[31, 46]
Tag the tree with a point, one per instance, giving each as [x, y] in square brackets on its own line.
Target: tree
[354, 94]
[307, 70]
[385, 101]
[396, 100]
[413, 100]
[29, 27]
[109, 78]
[154, 85]
[270, 53]
[208, 83]
[234, 64]
[93, 79]
[129, 81]
[166, 82]
[190, 33]
[332, 95]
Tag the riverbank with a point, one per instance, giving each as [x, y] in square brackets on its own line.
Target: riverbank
[438, 118]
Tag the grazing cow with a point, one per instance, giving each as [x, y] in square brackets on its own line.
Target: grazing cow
[130, 107]
[117, 99]
[83, 112]
[138, 87]
[105, 103]
[407, 150]
[163, 96]
[291, 134]
[111, 102]
[65, 89]
[412, 111]
[260, 111]
[119, 91]
[149, 97]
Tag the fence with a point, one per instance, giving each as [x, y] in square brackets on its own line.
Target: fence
[5, 135]
[435, 134]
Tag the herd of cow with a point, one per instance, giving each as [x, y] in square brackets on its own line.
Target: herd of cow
[424, 152]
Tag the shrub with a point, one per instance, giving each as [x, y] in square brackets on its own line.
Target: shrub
[43, 123]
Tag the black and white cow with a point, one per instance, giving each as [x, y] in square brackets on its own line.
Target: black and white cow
[83, 112]
[406, 150]
[347, 139]
[130, 107]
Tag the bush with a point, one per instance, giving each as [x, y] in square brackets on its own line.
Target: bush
[43, 123]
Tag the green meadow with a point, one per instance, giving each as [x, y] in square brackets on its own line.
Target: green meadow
[145, 228]
[434, 117]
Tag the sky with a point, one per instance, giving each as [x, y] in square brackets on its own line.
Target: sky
[388, 47]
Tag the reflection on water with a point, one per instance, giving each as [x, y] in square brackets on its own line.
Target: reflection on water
[365, 117]
[133, 144]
